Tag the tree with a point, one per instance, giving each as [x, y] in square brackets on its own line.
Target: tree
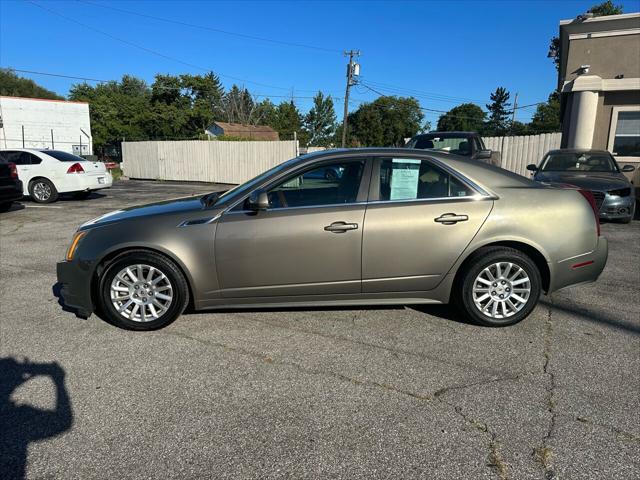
[266, 113]
[546, 119]
[320, 122]
[600, 10]
[465, 117]
[12, 85]
[238, 106]
[287, 121]
[498, 122]
[386, 121]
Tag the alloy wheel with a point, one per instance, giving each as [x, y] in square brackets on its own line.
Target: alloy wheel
[501, 290]
[42, 191]
[141, 293]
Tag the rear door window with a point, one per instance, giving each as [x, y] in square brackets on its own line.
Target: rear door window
[413, 179]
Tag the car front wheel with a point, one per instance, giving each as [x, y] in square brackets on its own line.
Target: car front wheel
[142, 290]
[499, 286]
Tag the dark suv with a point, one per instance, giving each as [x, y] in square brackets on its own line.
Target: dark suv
[10, 185]
[466, 144]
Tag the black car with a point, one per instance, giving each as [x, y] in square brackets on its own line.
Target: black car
[10, 185]
[465, 144]
[594, 170]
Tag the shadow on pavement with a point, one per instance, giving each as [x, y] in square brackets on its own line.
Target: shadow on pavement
[56, 289]
[23, 424]
[592, 315]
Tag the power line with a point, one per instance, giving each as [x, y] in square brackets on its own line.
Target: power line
[149, 50]
[217, 30]
[421, 93]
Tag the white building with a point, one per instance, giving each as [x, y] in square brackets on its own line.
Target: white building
[40, 123]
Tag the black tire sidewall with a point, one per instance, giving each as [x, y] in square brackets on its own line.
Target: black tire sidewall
[107, 311]
[54, 193]
[479, 263]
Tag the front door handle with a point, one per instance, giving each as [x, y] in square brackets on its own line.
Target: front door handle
[451, 218]
[340, 227]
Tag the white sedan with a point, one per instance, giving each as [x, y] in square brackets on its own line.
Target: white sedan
[47, 173]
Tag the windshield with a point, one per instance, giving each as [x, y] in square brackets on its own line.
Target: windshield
[579, 162]
[63, 156]
[239, 190]
[459, 145]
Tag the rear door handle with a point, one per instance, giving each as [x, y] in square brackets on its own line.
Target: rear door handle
[339, 227]
[451, 218]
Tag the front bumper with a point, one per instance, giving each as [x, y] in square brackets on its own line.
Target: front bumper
[584, 268]
[75, 291]
[614, 207]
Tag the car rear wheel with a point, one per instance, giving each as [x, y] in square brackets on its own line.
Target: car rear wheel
[499, 286]
[142, 290]
[42, 190]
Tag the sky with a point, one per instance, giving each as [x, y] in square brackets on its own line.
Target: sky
[442, 52]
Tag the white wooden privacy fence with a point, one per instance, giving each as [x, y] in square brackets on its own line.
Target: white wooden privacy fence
[518, 152]
[203, 161]
[236, 162]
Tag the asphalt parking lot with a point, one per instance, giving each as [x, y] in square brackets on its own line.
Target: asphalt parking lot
[324, 393]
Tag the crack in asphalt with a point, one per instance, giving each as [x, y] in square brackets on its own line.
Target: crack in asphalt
[373, 345]
[494, 459]
[297, 366]
[618, 431]
[544, 454]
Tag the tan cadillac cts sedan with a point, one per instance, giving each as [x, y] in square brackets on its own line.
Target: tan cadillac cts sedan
[342, 227]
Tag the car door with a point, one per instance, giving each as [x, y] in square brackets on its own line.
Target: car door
[420, 218]
[309, 240]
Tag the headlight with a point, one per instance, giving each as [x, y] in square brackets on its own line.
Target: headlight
[623, 192]
[74, 244]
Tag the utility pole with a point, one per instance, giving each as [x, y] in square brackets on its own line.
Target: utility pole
[515, 107]
[353, 69]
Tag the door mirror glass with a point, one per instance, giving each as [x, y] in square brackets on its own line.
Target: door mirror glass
[628, 168]
[258, 200]
[483, 155]
[532, 167]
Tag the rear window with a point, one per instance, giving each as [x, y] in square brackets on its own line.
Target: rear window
[63, 156]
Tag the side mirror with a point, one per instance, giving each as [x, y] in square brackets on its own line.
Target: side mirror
[628, 168]
[258, 200]
[532, 167]
[483, 155]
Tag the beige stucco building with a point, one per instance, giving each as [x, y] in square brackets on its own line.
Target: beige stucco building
[599, 77]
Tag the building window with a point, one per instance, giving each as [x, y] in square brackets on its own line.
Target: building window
[624, 136]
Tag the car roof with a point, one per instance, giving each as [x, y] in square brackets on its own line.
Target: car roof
[448, 134]
[579, 150]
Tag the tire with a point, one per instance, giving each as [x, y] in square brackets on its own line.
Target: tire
[5, 207]
[42, 190]
[147, 303]
[469, 293]
[81, 195]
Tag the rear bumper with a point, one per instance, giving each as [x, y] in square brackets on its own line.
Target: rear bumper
[11, 193]
[84, 183]
[584, 268]
[75, 288]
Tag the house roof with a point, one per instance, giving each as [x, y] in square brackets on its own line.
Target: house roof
[262, 132]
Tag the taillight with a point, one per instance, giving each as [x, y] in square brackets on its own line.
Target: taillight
[75, 168]
[592, 201]
[13, 171]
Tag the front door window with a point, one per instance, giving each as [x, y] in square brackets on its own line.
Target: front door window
[329, 184]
